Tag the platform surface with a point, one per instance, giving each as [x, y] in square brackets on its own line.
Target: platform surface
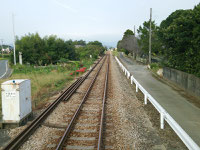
[186, 114]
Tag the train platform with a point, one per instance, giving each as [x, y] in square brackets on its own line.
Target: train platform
[186, 114]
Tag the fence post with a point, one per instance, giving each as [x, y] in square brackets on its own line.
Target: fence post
[136, 87]
[145, 98]
[131, 79]
[128, 74]
[162, 120]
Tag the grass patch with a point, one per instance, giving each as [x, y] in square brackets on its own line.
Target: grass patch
[155, 67]
[5, 57]
[46, 81]
[115, 53]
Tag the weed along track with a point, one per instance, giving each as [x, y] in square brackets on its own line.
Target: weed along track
[75, 120]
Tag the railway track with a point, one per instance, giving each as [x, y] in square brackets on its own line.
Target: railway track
[85, 129]
[84, 125]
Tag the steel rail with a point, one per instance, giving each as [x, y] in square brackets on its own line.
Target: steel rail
[99, 146]
[26, 133]
[69, 127]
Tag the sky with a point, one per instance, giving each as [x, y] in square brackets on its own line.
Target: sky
[102, 20]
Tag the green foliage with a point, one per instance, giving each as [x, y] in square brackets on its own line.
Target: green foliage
[96, 43]
[52, 50]
[24, 69]
[180, 36]
[92, 48]
[154, 67]
[115, 53]
[177, 39]
[5, 56]
[128, 32]
[119, 44]
[143, 40]
[80, 42]
[124, 50]
[49, 50]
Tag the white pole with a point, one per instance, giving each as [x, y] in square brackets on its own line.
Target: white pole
[162, 121]
[14, 39]
[145, 99]
[20, 58]
[134, 31]
[150, 36]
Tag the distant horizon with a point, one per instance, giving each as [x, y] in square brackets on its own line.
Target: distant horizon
[103, 42]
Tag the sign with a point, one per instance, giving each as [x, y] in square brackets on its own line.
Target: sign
[10, 94]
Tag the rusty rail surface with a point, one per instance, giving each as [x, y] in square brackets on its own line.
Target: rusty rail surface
[26, 133]
[69, 127]
[99, 146]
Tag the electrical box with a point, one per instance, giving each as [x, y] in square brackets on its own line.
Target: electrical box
[16, 100]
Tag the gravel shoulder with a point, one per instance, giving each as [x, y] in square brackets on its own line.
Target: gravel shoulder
[132, 126]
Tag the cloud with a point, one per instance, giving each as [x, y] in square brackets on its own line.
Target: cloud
[65, 6]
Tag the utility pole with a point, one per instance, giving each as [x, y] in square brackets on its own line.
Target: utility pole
[134, 30]
[150, 36]
[2, 47]
[14, 39]
[134, 51]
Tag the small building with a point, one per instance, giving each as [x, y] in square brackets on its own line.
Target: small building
[78, 46]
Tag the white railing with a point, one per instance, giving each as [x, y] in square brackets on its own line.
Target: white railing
[164, 115]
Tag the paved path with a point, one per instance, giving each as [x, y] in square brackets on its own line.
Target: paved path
[3, 68]
[186, 114]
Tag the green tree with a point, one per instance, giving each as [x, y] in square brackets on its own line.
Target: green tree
[52, 50]
[128, 32]
[119, 44]
[176, 34]
[143, 40]
[97, 43]
[49, 50]
[180, 36]
[31, 46]
[80, 42]
[94, 48]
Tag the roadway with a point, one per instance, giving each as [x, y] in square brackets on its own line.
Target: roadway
[185, 113]
[3, 68]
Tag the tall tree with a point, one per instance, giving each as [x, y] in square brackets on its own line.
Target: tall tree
[143, 40]
[94, 48]
[176, 33]
[31, 46]
[128, 32]
[47, 50]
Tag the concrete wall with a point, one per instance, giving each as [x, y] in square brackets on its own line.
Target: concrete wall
[187, 81]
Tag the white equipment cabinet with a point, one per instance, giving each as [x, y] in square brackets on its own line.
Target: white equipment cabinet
[16, 100]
